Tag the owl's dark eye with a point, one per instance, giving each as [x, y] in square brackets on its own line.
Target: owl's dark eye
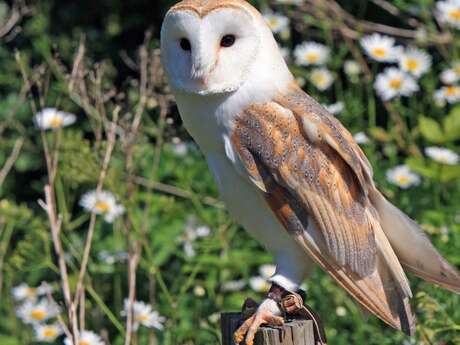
[228, 41]
[185, 44]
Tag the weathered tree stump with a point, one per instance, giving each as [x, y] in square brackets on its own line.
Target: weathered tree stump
[295, 332]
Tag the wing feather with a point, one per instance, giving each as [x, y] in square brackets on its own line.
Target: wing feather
[320, 126]
[378, 292]
[320, 178]
[313, 173]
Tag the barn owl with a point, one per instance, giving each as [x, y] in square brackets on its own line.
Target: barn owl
[287, 170]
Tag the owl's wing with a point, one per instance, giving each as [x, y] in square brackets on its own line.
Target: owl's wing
[308, 168]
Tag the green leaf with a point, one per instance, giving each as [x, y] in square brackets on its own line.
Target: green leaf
[420, 167]
[451, 124]
[105, 309]
[431, 130]
[449, 173]
[441, 172]
[5, 340]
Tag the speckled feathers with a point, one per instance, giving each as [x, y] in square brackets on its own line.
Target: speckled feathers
[316, 180]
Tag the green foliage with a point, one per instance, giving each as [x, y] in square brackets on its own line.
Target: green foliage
[165, 203]
[441, 133]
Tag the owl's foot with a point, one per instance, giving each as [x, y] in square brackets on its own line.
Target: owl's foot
[266, 314]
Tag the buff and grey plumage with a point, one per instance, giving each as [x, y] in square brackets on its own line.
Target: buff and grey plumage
[288, 170]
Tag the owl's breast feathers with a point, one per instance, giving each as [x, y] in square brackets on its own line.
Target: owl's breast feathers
[308, 167]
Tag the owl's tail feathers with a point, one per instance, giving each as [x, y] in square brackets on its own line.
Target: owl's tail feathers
[413, 248]
[379, 293]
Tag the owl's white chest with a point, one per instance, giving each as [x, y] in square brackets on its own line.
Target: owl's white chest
[246, 205]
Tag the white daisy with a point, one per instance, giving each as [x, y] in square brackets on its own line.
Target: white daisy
[144, 315]
[335, 108]
[37, 312]
[25, 292]
[233, 285]
[259, 284]
[203, 231]
[439, 99]
[266, 271]
[352, 68]
[199, 291]
[442, 155]
[341, 311]
[448, 12]
[393, 83]
[51, 118]
[449, 94]
[180, 149]
[192, 231]
[449, 76]
[277, 22]
[86, 338]
[104, 203]
[321, 78]
[381, 48]
[47, 333]
[415, 61]
[188, 248]
[311, 53]
[402, 177]
[361, 138]
[214, 317]
[112, 258]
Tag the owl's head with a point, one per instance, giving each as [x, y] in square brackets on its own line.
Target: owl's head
[212, 46]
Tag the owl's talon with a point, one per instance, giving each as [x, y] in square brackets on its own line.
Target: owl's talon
[250, 327]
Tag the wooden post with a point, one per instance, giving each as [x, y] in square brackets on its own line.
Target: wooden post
[295, 332]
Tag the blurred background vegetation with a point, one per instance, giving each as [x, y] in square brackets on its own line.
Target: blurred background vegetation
[175, 247]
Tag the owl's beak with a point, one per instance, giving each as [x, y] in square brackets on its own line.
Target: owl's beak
[201, 82]
[203, 62]
[199, 74]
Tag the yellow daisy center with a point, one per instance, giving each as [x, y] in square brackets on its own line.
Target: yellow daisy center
[265, 287]
[102, 206]
[318, 79]
[84, 342]
[142, 317]
[412, 64]
[56, 122]
[312, 57]
[452, 90]
[273, 22]
[443, 159]
[403, 180]
[49, 332]
[455, 14]
[379, 52]
[38, 314]
[31, 292]
[395, 84]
